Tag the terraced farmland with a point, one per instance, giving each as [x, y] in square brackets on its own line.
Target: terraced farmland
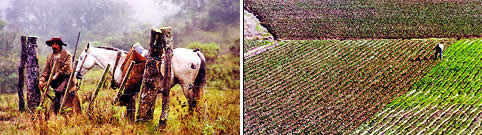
[340, 19]
[254, 43]
[329, 86]
[447, 100]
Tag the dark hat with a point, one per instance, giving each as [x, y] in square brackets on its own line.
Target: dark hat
[55, 39]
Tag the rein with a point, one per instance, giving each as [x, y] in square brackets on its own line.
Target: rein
[81, 66]
[113, 83]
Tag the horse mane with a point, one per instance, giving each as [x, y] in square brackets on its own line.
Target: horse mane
[111, 48]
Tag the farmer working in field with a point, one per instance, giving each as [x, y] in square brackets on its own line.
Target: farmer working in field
[438, 50]
[61, 75]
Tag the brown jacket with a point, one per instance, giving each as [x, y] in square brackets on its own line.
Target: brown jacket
[64, 68]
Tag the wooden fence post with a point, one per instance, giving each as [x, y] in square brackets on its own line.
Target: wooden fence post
[156, 77]
[150, 87]
[166, 71]
[33, 91]
[123, 83]
[21, 73]
[46, 87]
[67, 88]
[96, 91]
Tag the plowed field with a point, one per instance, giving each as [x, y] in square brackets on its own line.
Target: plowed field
[330, 86]
[352, 19]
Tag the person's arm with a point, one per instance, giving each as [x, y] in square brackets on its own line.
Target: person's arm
[46, 73]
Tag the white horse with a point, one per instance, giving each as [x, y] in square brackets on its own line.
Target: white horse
[187, 66]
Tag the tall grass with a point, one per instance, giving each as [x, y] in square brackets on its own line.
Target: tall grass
[216, 113]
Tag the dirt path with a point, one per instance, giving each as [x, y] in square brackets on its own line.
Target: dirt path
[253, 30]
[260, 49]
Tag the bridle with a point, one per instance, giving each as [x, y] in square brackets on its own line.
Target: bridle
[83, 61]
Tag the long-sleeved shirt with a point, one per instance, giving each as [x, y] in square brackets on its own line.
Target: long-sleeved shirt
[63, 68]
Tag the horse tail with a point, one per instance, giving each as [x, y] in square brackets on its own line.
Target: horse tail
[201, 76]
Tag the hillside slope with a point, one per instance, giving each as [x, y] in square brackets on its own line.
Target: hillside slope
[329, 86]
[447, 100]
[351, 19]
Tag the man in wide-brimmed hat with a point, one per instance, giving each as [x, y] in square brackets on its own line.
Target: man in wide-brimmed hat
[60, 77]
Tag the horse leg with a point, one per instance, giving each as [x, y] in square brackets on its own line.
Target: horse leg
[187, 89]
[198, 91]
[193, 98]
[165, 110]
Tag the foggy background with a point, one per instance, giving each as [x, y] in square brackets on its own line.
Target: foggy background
[192, 20]
[212, 24]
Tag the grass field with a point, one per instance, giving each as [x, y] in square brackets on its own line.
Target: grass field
[447, 100]
[217, 113]
[351, 19]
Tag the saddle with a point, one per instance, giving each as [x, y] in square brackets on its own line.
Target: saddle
[139, 49]
[135, 79]
[134, 82]
[139, 55]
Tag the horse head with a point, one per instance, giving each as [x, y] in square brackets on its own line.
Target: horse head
[87, 62]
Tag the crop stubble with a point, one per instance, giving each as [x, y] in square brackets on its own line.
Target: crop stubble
[352, 19]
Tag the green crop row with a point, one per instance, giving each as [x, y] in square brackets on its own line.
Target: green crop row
[329, 86]
[447, 100]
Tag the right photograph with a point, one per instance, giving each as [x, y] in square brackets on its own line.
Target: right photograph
[362, 67]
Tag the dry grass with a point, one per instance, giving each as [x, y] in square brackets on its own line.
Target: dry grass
[217, 113]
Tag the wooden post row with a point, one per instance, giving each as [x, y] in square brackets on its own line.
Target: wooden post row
[123, 83]
[96, 91]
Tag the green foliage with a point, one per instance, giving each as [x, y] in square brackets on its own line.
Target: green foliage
[8, 73]
[445, 101]
[205, 21]
[222, 69]
[2, 24]
[251, 44]
[453, 81]
[209, 50]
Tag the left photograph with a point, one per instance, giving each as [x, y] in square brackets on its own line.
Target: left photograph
[120, 67]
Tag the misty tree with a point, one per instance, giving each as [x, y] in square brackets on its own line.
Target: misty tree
[203, 15]
[2, 24]
[8, 70]
[66, 17]
[207, 14]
